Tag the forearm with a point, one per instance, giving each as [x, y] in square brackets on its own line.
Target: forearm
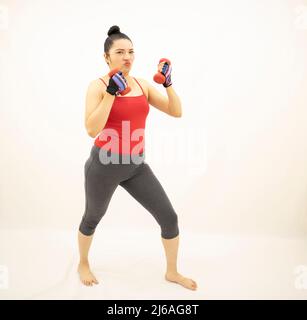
[97, 120]
[174, 104]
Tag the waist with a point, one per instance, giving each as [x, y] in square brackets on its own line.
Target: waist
[107, 156]
[116, 144]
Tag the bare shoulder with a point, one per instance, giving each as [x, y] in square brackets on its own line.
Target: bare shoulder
[143, 82]
[145, 85]
[96, 86]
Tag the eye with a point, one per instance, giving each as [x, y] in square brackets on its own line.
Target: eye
[122, 52]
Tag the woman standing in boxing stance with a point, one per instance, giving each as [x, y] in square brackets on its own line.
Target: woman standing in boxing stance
[111, 110]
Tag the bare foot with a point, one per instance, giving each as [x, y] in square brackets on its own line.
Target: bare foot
[180, 279]
[86, 276]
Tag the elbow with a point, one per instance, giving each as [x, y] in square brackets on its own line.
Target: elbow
[175, 112]
[91, 133]
[177, 115]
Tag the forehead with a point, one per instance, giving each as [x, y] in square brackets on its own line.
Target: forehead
[122, 44]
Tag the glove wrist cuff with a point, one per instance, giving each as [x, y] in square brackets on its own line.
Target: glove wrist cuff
[112, 90]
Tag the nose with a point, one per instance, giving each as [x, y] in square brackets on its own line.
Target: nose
[127, 56]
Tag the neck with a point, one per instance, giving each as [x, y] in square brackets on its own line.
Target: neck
[126, 75]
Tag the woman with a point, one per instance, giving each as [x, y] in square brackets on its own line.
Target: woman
[107, 113]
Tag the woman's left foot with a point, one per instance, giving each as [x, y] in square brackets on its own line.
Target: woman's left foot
[180, 279]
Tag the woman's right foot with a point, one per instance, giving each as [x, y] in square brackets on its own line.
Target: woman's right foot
[86, 276]
[180, 279]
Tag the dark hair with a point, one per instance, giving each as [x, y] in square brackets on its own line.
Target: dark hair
[114, 34]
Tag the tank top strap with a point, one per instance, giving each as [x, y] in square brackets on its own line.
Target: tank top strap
[139, 85]
[103, 81]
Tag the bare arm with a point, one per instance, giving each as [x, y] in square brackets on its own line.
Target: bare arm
[174, 103]
[98, 107]
[170, 105]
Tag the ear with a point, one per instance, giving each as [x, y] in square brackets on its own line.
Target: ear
[105, 58]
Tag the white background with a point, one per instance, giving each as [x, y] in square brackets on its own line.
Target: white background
[234, 164]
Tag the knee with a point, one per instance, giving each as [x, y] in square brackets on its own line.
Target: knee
[87, 226]
[85, 229]
[170, 228]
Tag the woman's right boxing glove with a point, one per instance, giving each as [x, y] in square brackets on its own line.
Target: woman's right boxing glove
[117, 83]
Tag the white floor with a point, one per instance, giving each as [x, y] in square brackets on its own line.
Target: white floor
[41, 264]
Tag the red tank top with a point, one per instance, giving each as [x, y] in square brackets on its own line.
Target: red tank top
[124, 131]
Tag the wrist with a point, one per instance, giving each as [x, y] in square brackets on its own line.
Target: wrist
[112, 88]
[110, 94]
[111, 91]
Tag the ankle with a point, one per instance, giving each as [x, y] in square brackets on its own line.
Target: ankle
[84, 262]
[172, 272]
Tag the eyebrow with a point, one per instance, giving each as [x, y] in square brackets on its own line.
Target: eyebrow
[123, 49]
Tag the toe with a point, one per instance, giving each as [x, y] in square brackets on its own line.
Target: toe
[193, 284]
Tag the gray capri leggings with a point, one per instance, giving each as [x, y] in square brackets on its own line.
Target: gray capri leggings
[102, 179]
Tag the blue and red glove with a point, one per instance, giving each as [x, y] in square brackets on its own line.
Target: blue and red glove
[167, 71]
[117, 84]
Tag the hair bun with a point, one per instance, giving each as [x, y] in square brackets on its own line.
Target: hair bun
[113, 29]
